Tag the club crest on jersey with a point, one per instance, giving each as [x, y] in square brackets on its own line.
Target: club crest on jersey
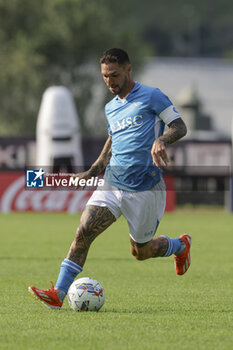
[126, 123]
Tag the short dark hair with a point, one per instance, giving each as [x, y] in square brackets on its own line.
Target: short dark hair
[115, 56]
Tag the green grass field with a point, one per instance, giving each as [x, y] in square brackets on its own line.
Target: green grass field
[147, 305]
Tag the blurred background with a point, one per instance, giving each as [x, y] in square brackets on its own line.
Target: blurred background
[183, 47]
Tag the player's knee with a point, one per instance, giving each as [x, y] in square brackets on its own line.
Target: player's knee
[138, 254]
[140, 257]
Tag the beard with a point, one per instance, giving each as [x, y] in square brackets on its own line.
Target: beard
[118, 90]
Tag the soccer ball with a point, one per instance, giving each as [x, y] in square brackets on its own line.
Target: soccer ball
[86, 294]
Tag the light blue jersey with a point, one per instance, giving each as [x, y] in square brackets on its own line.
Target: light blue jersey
[134, 123]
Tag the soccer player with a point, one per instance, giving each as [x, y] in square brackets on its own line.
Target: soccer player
[132, 157]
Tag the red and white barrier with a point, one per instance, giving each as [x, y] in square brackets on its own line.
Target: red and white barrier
[14, 197]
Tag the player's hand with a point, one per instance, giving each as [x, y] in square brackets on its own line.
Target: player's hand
[85, 176]
[159, 154]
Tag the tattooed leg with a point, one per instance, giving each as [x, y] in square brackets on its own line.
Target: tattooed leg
[94, 220]
[152, 249]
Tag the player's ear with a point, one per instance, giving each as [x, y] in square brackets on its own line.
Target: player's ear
[129, 68]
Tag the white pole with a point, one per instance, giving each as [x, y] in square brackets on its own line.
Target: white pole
[58, 128]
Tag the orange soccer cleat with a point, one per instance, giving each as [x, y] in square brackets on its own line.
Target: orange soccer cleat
[48, 297]
[183, 260]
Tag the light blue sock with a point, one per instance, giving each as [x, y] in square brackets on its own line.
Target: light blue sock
[68, 271]
[175, 246]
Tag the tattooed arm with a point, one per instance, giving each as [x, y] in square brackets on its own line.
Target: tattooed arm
[100, 164]
[177, 129]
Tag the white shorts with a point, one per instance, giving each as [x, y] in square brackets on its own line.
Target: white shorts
[142, 210]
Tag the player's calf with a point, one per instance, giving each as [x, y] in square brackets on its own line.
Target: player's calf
[164, 246]
[79, 248]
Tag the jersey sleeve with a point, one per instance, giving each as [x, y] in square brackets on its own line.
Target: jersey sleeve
[163, 107]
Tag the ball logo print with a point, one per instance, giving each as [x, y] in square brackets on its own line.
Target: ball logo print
[35, 178]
